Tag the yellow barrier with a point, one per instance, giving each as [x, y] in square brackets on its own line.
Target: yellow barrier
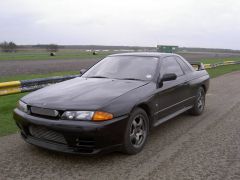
[10, 87]
[228, 62]
[207, 66]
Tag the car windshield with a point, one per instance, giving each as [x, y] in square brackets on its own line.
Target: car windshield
[124, 67]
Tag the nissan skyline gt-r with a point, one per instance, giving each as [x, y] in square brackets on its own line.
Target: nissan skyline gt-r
[113, 105]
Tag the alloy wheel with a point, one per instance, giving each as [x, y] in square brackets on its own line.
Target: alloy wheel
[138, 131]
[201, 101]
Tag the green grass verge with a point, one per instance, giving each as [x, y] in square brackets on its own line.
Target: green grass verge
[33, 76]
[61, 55]
[223, 70]
[8, 103]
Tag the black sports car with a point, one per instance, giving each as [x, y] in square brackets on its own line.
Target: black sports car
[113, 105]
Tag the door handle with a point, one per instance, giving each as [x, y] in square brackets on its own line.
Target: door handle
[183, 84]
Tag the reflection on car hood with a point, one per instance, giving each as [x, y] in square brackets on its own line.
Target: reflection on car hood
[81, 93]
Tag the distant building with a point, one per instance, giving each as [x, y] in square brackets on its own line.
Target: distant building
[167, 49]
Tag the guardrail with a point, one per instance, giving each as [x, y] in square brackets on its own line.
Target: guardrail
[14, 87]
[210, 66]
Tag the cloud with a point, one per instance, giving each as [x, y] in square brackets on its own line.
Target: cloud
[127, 22]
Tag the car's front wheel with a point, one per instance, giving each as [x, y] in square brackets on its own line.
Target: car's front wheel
[137, 132]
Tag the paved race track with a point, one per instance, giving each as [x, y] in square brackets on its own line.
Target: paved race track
[16, 67]
[186, 147]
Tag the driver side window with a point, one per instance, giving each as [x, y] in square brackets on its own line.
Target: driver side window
[170, 65]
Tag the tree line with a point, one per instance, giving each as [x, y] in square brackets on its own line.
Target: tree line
[10, 47]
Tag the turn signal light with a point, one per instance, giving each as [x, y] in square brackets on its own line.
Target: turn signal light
[102, 116]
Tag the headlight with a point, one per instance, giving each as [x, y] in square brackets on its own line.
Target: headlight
[87, 115]
[78, 115]
[22, 106]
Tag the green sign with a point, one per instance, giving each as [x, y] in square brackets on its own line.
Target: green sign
[167, 49]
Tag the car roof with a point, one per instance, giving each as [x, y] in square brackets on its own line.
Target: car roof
[146, 54]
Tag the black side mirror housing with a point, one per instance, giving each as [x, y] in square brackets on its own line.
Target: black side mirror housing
[166, 77]
[169, 77]
[82, 71]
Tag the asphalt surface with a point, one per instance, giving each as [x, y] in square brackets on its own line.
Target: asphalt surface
[16, 67]
[186, 147]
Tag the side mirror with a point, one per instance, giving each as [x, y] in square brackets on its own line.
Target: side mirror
[82, 71]
[169, 77]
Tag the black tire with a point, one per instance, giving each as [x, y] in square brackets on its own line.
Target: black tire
[136, 132]
[199, 103]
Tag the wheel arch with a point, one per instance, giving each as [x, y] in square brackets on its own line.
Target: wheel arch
[204, 87]
[147, 109]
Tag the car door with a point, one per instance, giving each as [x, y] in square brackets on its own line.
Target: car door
[172, 94]
[190, 90]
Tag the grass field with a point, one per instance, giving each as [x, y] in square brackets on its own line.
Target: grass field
[223, 70]
[79, 54]
[8, 103]
[42, 55]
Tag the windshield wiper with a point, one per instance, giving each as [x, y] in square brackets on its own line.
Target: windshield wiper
[132, 79]
[97, 77]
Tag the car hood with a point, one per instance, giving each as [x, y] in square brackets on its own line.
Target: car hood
[81, 93]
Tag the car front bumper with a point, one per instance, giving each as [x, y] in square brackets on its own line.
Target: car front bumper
[76, 137]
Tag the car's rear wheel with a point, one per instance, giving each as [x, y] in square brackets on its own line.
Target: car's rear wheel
[137, 132]
[199, 103]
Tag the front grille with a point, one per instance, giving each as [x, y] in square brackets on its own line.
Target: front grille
[46, 134]
[44, 112]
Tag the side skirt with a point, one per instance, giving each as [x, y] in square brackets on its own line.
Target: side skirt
[160, 121]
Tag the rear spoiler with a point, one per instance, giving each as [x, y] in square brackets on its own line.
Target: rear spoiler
[198, 66]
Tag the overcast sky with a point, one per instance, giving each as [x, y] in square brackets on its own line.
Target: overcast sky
[191, 23]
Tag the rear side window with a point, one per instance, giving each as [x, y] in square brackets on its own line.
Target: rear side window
[170, 65]
[184, 66]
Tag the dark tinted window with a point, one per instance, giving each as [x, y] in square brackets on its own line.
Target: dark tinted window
[170, 65]
[184, 66]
